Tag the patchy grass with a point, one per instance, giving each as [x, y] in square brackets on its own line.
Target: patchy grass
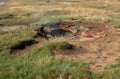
[58, 45]
[41, 64]
[50, 19]
[13, 38]
[12, 19]
[110, 74]
[6, 16]
[56, 13]
[111, 71]
[115, 22]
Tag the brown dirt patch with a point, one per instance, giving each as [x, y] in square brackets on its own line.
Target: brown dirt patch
[77, 30]
[97, 53]
[96, 43]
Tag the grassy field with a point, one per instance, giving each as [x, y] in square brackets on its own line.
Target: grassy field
[40, 63]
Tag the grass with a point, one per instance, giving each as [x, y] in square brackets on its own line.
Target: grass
[115, 22]
[58, 45]
[41, 63]
[6, 16]
[13, 38]
[12, 19]
[111, 71]
[29, 2]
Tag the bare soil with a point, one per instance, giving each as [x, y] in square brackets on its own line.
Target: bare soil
[98, 51]
[95, 43]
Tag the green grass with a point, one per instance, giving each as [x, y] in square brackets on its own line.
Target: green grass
[50, 19]
[56, 13]
[14, 38]
[17, 19]
[109, 74]
[6, 16]
[115, 22]
[3, 32]
[58, 45]
[41, 64]
[112, 71]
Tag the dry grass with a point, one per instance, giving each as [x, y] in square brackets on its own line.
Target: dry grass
[85, 10]
[36, 12]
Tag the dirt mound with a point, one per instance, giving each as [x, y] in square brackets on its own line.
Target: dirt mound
[82, 30]
[96, 43]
